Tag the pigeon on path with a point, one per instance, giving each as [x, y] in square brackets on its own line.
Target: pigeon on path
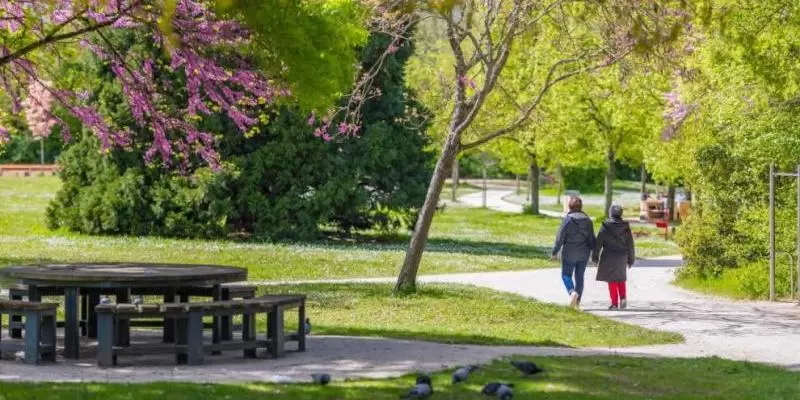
[461, 374]
[308, 326]
[491, 388]
[527, 367]
[422, 390]
[504, 392]
[321, 379]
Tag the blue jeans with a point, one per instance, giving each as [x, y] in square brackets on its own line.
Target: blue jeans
[570, 268]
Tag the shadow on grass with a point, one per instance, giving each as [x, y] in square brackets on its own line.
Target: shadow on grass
[428, 336]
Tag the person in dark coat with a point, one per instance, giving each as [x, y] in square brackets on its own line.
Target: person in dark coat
[575, 240]
[614, 253]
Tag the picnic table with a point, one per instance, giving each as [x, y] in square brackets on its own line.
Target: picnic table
[121, 278]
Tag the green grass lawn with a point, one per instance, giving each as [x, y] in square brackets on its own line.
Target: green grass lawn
[460, 314]
[461, 240]
[567, 378]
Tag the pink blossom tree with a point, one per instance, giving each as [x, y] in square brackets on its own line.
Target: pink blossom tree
[36, 36]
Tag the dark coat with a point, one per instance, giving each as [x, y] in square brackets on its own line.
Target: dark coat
[575, 236]
[614, 250]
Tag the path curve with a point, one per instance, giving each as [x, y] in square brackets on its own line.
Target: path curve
[495, 200]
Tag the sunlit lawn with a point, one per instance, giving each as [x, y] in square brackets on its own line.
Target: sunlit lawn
[462, 240]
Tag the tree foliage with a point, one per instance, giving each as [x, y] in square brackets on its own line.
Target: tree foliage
[278, 183]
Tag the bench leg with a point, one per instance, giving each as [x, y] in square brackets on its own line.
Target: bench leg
[301, 327]
[49, 337]
[71, 330]
[225, 321]
[169, 323]
[91, 319]
[16, 333]
[194, 330]
[181, 337]
[1, 334]
[105, 340]
[32, 337]
[275, 332]
[249, 333]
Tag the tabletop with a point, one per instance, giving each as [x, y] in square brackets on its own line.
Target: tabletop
[124, 274]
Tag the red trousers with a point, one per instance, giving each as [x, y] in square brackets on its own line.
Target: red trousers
[617, 291]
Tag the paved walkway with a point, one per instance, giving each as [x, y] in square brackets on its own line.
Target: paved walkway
[495, 201]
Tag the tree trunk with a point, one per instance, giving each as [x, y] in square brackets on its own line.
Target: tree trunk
[560, 178]
[41, 150]
[611, 158]
[407, 279]
[455, 179]
[671, 201]
[644, 181]
[533, 173]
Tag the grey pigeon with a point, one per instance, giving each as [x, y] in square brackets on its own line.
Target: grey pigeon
[504, 392]
[491, 388]
[308, 326]
[321, 379]
[138, 301]
[527, 367]
[105, 300]
[461, 374]
[422, 390]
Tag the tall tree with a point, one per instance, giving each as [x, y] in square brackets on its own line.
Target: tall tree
[481, 36]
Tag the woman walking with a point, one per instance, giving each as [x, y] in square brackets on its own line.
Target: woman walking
[615, 253]
[575, 240]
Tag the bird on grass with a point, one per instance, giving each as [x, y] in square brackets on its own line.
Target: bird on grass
[461, 374]
[308, 326]
[527, 367]
[505, 392]
[421, 390]
[321, 379]
[491, 388]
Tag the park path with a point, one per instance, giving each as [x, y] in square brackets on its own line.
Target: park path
[495, 201]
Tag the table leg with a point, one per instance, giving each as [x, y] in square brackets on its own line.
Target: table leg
[84, 314]
[71, 328]
[226, 321]
[91, 319]
[124, 327]
[16, 333]
[216, 329]
[169, 323]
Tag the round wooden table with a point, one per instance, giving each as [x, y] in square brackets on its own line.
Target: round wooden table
[119, 276]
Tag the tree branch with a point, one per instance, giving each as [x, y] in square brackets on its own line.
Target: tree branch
[549, 83]
[53, 37]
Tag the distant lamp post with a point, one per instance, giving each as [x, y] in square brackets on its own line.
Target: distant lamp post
[486, 161]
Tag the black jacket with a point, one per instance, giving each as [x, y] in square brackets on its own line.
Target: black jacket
[614, 250]
[575, 236]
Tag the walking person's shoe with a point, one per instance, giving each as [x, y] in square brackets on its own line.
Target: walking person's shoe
[613, 307]
[573, 299]
[623, 304]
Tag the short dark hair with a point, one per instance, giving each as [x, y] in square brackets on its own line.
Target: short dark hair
[575, 203]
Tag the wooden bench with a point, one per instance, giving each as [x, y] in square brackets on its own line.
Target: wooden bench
[88, 322]
[20, 292]
[40, 329]
[189, 345]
